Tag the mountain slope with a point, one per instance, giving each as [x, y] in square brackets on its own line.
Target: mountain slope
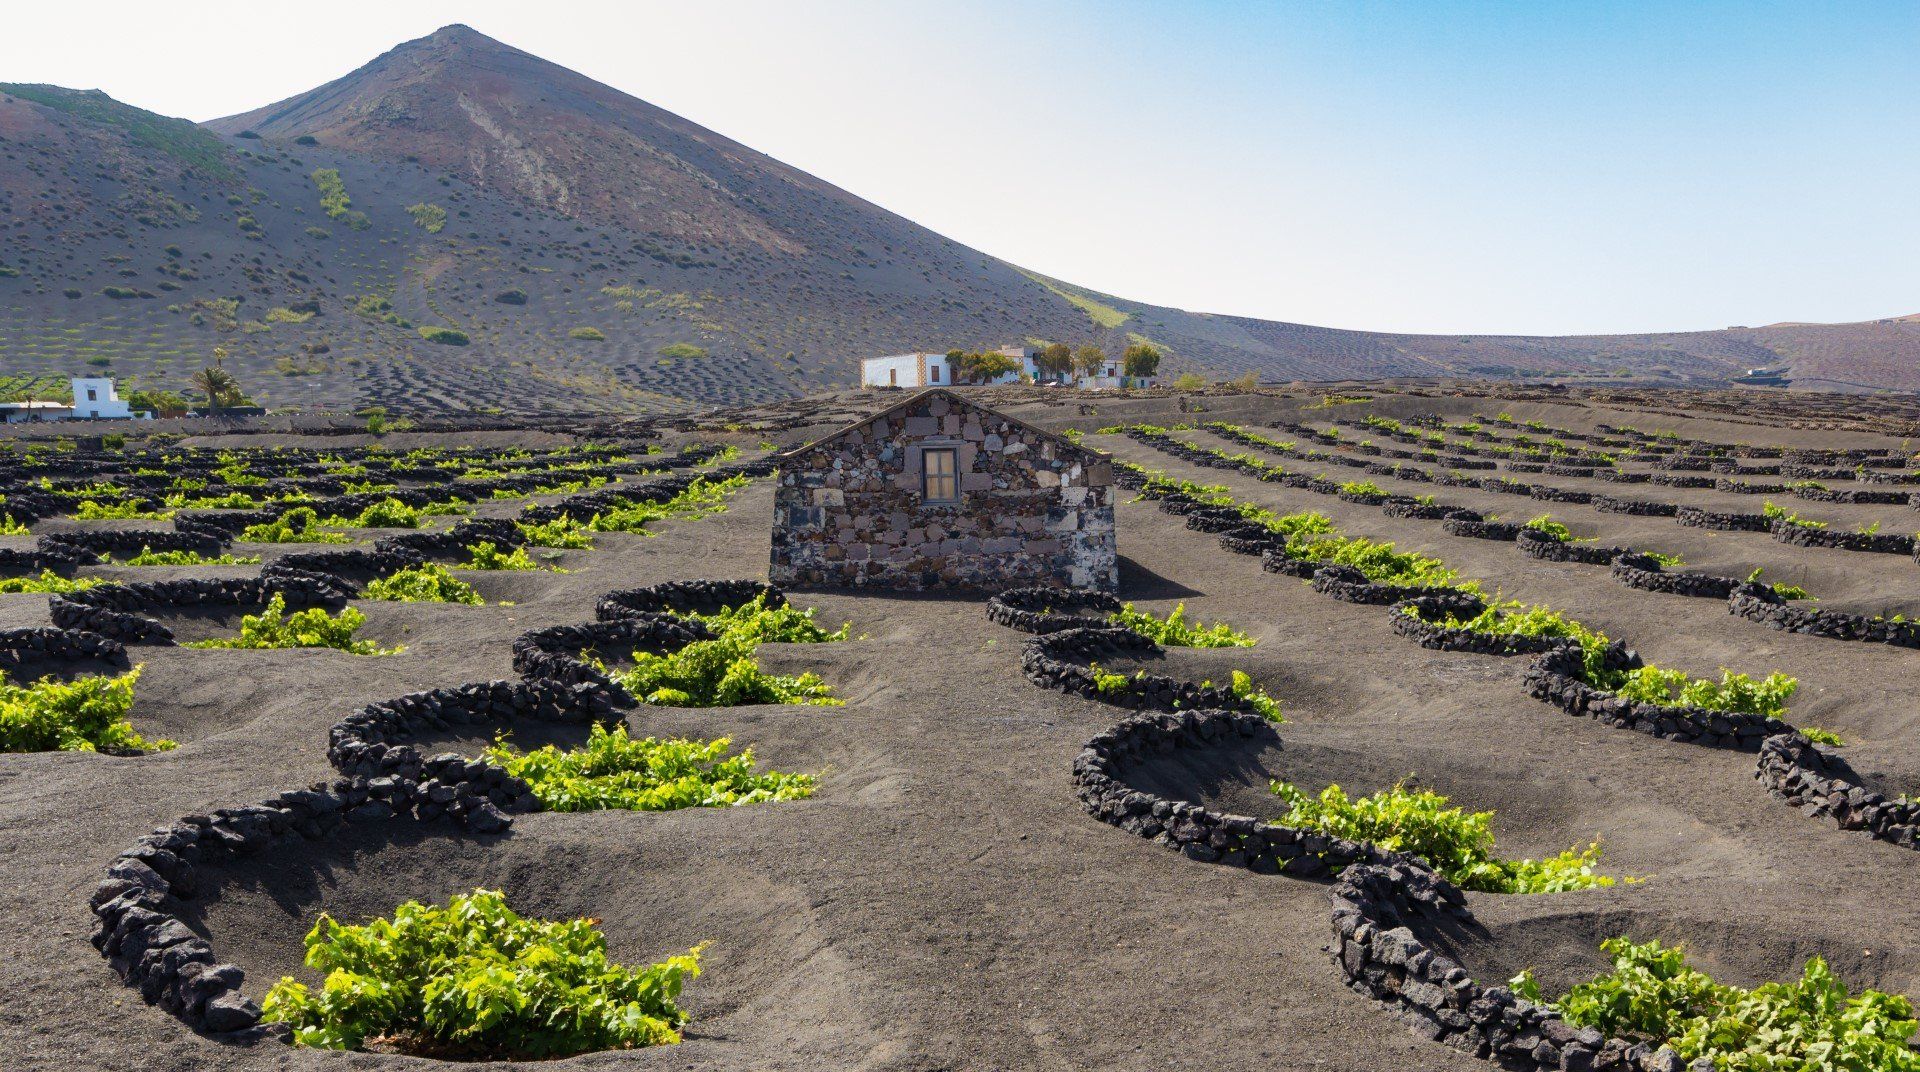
[572, 248]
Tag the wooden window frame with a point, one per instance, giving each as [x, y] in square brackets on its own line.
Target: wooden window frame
[951, 477]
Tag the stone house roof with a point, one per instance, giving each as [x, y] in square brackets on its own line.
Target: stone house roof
[957, 400]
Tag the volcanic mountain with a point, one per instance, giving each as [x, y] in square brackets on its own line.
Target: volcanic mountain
[461, 225]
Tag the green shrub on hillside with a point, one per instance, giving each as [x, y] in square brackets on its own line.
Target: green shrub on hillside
[650, 774]
[274, 628]
[476, 980]
[430, 583]
[334, 200]
[445, 336]
[428, 216]
[298, 525]
[85, 715]
[718, 673]
[1812, 1024]
[1422, 823]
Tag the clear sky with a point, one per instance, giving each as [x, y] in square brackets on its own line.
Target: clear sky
[1532, 166]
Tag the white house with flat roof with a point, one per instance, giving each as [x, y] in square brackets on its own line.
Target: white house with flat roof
[919, 369]
[94, 399]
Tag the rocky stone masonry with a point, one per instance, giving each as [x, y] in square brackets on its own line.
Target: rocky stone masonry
[1672, 481]
[1277, 561]
[26, 647]
[1064, 661]
[1362, 498]
[453, 541]
[1555, 678]
[700, 596]
[1481, 530]
[371, 744]
[1816, 472]
[1645, 573]
[1623, 476]
[1877, 476]
[1549, 493]
[96, 542]
[1699, 517]
[1607, 504]
[1885, 543]
[1349, 585]
[1379, 914]
[1857, 496]
[1506, 487]
[1252, 540]
[554, 653]
[1200, 833]
[1415, 619]
[342, 564]
[1536, 544]
[122, 611]
[1760, 603]
[1033, 509]
[1748, 487]
[1813, 777]
[1417, 511]
[1216, 519]
[1047, 609]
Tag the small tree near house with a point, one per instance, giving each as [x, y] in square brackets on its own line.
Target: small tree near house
[1141, 361]
[1089, 360]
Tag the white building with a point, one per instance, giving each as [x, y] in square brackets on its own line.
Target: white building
[916, 370]
[95, 399]
[21, 412]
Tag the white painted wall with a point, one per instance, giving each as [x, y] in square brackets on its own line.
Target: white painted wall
[95, 399]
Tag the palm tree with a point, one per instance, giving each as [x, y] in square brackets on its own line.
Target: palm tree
[217, 384]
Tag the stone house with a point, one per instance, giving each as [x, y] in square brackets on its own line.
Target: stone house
[937, 492]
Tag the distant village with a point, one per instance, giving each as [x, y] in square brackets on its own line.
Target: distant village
[1056, 364]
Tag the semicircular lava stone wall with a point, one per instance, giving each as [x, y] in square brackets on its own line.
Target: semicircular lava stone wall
[1064, 661]
[701, 596]
[1380, 916]
[1642, 572]
[1555, 678]
[1816, 779]
[1481, 530]
[21, 648]
[1536, 544]
[1758, 602]
[1887, 543]
[1200, 833]
[1046, 609]
[554, 653]
[1414, 619]
[1607, 504]
[1699, 517]
[1349, 585]
[123, 611]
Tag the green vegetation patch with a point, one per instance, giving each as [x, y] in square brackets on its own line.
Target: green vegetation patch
[615, 771]
[682, 350]
[150, 557]
[701, 498]
[430, 583]
[1812, 1024]
[177, 138]
[445, 336]
[274, 628]
[428, 216]
[1102, 314]
[298, 525]
[1459, 843]
[48, 581]
[476, 980]
[85, 715]
[334, 200]
[1176, 632]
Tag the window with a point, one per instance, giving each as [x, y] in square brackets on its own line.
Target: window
[939, 479]
[91, 397]
[934, 371]
[893, 377]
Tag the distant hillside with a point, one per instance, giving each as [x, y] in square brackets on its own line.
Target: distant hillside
[571, 248]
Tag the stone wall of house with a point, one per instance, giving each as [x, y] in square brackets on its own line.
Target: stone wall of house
[1033, 509]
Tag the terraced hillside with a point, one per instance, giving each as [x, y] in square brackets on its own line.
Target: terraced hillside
[570, 248]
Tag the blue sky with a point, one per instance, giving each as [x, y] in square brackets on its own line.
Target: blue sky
[1455, 167]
